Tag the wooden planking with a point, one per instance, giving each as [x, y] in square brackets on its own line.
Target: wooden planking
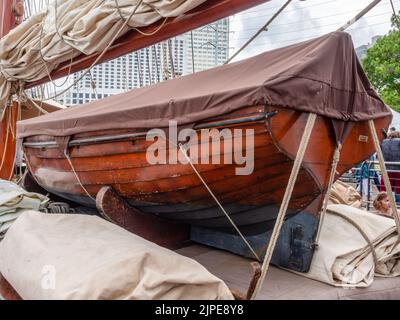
[136, 159]
[133, 187]
[136, 145]
[132, 177]
[254, 190]
[7, 141]
[318, 157]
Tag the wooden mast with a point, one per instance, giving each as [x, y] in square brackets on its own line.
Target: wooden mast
[8, 123]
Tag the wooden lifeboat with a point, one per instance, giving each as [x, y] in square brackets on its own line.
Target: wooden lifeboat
[117, 158]
[29, 109]
[75, 152]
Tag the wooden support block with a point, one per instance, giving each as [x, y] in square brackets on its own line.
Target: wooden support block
[256, 268]
[7, 291]
[164, 233]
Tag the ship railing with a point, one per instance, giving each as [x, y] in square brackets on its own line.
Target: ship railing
[374, 184]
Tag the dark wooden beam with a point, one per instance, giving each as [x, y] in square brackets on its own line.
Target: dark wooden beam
[7, 18]
[208, 12]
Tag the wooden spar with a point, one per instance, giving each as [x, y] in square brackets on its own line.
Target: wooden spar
[7, 18]
[8, 126]
[9, 119]
[206, 13]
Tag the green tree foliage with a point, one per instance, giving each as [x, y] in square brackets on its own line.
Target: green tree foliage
[382, 65]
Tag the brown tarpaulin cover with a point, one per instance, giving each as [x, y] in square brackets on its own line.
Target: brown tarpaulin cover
[322, 76]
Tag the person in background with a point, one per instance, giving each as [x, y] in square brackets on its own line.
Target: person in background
[362, 176]
[393, 133]
[374, 168]
[382, 205]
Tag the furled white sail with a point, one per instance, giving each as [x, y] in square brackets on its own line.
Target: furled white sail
[68, 28]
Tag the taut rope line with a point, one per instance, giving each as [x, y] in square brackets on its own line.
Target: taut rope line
[285, 202]
[335, 161]
[385, 174]
[217, 201]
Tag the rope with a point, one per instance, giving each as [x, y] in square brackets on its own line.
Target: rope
[385, 174]
[126, 23]
[335, 161]
[217, 201]
[171, 58]
[165, 62]
[136, 29]
[149, 75]
[29, 166]
[153, 32]
[76, 175]
[62, 39]
[36, 105]
[359, 15]
[155, 58]
[364, 235]
[262, 29]
[396, 19]
[285, 201]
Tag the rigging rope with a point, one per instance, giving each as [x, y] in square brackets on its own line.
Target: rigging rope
[148, 66]
[155, 56]
[385, 175]
[100, 56]
[359, 15]
[181, 148]
[171, 58]
[76, 175]
[285, 201]
[335, 161]
[397, 22]
[139, 67]
[364, 235]
[165, 62]
[262, 29]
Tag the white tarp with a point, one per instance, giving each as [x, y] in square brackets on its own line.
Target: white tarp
[71, 27]
[343, 193]
[13, 201]
[85, 257]
[343, 257]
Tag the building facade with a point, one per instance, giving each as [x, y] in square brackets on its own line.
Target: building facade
[194, 51]
[361, 51]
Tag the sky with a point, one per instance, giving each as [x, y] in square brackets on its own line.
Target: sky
[303, 20]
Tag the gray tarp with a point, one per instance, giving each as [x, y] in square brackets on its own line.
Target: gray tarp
[14, 201]
[343, 257]
[56, 256]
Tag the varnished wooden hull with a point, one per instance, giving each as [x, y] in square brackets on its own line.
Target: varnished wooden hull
[174, 192]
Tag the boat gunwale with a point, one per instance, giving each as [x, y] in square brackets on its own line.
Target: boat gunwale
[122, 137]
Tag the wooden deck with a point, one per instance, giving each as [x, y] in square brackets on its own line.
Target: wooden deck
[281, 284]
